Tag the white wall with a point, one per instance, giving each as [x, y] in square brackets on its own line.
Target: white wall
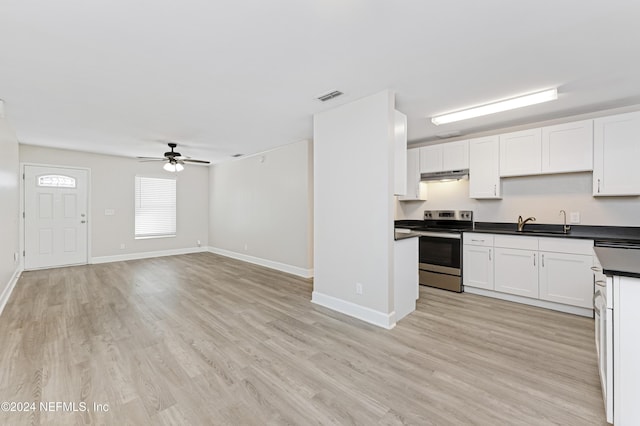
[112, 187]
[9, 210]
[261, 208]
[539, 196]
[353, 208]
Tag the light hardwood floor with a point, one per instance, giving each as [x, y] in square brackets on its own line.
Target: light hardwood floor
[203, 339]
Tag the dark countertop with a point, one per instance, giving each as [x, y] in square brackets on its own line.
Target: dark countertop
[599, 233]
[404, 235]
[619, 261]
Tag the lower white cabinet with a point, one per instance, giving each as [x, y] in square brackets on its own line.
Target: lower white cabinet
[554, 270]
[626, 351]
[477, 264]
[564, 278]
[516, 271]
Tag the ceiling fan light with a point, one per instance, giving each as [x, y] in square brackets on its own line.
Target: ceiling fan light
[173, 167]
[492, 108]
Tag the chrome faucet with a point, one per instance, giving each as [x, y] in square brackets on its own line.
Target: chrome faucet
[565, 228]
[521, 222]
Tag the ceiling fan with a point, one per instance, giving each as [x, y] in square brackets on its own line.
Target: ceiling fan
[174, 160]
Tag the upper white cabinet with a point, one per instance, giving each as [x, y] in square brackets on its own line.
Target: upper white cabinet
[444, 157]
[455, 155]
[415, 189]
[521, 153]
[484, 167]
[431, 158]
[616, 150]
[400, 154]
[567, 147]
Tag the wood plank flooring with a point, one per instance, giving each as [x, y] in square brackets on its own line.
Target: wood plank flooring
[203, 339]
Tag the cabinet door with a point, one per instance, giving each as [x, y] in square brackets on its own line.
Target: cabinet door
[566, 278]
[455, 155]
[431, 159]
[477, 269]
[516, 271]
[616, 149]
[484, 168]
[400, 154]
[567, 147]
[415, 190]
[521, 153]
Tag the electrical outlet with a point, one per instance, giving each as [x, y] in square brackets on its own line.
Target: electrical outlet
[358, 288]
[574, 217]
[122, 246]
[246, 247]
[198, 242]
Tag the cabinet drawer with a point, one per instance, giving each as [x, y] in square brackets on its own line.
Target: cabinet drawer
[563, 245]
[470, 238]
[516, 242]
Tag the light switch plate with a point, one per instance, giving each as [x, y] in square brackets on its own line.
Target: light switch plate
[109, 212]
[574, 217]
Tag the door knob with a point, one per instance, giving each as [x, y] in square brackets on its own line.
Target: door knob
[82, 214]
[83, 221]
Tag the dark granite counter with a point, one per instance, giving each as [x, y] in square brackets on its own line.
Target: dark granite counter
[599, 233]
[619, 261]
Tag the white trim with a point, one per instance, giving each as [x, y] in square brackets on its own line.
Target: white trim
[585, 312]
[146, 255]
[6, 293]
[363, 313]
[290, 269]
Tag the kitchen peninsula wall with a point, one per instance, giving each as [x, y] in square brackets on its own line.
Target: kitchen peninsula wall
[539, 196]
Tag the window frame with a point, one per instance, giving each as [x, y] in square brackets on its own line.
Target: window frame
[140, 210]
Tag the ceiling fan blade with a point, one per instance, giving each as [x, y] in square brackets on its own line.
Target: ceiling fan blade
[188, 160]
[149, 160]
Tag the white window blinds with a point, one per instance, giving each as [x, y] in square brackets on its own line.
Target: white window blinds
[155, 207]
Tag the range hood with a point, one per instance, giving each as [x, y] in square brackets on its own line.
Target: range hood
[445, 176]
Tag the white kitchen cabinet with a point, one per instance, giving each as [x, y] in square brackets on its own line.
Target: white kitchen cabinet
[626, 351]
[415, 189]
[616, 150]
[455, 155]
[567, 147]
[521, 153]
[566, 278]
[484, 168]
[431, 158]
[400, 154]
[444, 157]
[516, 271]
[477, 259]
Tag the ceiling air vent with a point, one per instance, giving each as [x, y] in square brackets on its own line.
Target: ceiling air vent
[237, 155]
[330, 95]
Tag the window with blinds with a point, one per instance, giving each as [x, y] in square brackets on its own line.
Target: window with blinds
[155, 207]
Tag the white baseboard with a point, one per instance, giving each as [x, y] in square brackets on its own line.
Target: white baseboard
[290, 269]
[585, 312]
[4, 297]
[146, 255]
[363, 313]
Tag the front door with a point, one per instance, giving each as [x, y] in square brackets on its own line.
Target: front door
[55, 221]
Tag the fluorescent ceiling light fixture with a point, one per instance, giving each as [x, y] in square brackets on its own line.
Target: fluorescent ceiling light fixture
[507, 104]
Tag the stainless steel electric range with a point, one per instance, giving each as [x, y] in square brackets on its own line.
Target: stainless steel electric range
[441, 246]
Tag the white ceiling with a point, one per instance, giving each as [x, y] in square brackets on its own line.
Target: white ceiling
[224, 77]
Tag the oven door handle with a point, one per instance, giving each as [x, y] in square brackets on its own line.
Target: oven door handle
[438, 234]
